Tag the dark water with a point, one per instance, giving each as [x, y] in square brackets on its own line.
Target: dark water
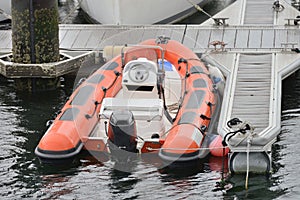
[22, 123]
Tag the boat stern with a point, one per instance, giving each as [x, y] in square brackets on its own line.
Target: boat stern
[183, 144]
[57, 148]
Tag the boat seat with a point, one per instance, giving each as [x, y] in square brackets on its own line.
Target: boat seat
[142, 109]
[148, 114]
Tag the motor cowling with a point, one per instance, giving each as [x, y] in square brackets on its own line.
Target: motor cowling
[122, 131]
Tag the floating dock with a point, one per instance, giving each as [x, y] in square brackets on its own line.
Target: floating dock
[199, 38]
[255, 74]
[255, 44]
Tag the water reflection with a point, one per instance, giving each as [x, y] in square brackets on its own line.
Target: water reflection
[122, 182]
[179, 170]
[20, 122]
[54, 186]
[259, 187]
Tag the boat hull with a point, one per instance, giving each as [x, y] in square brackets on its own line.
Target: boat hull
[58, 157]
[125, 12]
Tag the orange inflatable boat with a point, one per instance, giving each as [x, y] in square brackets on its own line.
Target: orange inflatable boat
[157, 97]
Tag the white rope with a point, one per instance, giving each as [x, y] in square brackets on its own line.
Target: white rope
[195, 149]
[5, 14]
[249, 141]
[247, 172]
[241, 126]
[72, 11]
[199, 8]
[249, 136]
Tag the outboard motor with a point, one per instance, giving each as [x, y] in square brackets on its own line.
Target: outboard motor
[122, 131]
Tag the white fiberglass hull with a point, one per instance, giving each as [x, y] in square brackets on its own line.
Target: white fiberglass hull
[123, 12]
[5, 6]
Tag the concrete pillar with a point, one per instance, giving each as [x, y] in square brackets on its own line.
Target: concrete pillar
[35, 36]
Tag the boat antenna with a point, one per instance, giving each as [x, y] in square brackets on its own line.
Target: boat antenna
[123, 55]
[184, 32]
[199, 8]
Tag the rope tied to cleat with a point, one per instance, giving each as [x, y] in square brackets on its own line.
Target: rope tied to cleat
[248, 131]
[239, 127]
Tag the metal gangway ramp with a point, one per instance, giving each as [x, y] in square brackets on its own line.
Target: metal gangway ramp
[256, 12]
[252, 99]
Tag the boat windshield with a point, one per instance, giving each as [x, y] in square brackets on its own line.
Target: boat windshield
[151, 53]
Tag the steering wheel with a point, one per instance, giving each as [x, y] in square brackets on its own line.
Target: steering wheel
[138, 73]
